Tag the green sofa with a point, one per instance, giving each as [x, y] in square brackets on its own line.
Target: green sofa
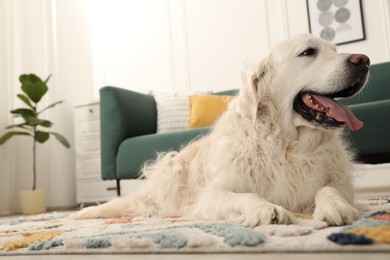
[128, 123]
[129, 120]
[372, 106]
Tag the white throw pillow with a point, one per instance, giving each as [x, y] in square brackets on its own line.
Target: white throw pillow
[173, 112]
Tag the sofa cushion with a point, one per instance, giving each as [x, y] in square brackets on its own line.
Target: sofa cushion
[205, 109]
[133, 152]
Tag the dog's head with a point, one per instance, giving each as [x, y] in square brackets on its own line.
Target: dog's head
[303, 76]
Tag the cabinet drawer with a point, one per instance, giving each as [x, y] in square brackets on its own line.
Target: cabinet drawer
[88, 168]
[85, 147]
[89, 126]
[87, 129]
[90, 191]
[90, 111]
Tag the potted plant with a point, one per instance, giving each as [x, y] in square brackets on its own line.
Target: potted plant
[32, 201]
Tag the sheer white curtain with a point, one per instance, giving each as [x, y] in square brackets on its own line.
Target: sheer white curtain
[26, 47]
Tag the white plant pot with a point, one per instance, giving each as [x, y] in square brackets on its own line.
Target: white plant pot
[32, 202]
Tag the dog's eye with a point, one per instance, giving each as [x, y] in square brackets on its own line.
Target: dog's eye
[309, 52]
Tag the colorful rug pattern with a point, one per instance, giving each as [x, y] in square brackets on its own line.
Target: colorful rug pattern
[53, 233]
[374, 228]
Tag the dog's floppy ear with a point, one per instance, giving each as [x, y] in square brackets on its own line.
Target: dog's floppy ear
[254, 92]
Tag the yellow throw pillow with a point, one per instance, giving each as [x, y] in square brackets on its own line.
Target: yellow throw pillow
[205, 109]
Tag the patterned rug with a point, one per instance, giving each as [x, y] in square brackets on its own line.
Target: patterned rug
[53, 233]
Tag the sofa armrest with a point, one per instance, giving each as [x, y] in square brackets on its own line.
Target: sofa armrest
[373, 138]
[123, 114]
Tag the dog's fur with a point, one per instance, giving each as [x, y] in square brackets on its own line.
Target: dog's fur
[262, 161]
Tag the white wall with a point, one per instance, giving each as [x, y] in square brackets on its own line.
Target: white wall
[133, 38]
[163, 45]
[377, 44]
[199, 45]
[74, 84]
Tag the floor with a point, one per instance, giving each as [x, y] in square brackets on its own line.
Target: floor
[357, 256]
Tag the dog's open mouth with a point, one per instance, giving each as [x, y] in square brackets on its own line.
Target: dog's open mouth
[324, 110]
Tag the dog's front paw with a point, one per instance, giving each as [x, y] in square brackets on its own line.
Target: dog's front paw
[335, 212]
[267, 213]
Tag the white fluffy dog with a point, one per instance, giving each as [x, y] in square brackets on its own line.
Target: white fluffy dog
[276, 151]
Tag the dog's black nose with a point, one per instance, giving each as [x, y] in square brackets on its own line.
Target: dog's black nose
[359, 59]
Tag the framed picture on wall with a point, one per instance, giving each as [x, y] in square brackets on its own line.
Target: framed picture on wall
[337, 21]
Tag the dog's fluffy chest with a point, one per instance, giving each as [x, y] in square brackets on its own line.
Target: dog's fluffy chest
[290, 173]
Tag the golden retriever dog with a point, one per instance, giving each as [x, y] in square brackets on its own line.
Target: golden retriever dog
[277, 150]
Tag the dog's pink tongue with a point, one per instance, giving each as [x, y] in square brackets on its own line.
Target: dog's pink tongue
[339, 112]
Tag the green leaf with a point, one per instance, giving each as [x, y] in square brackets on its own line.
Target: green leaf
[27, 114]
[23, 111]
[33, 86]
[61, 139]
[50, 106]
[41, 136]
[8, 135]
[31, 120]
[18, 125]
[25, 100]
[30, 117]
[44, 123]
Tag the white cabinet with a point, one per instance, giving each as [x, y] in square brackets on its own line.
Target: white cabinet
[89, 185]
